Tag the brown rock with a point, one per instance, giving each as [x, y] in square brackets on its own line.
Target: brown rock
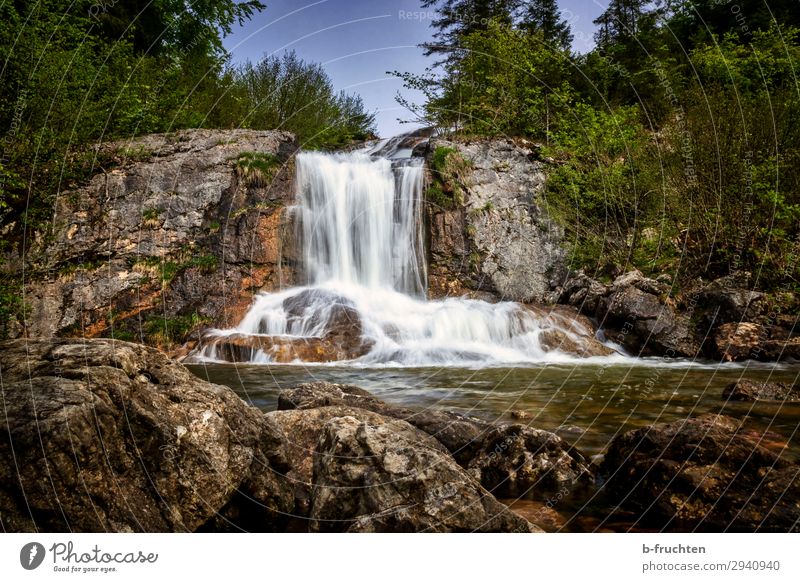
[706, 473]
[516, 461]
[738, 341]
[99, 435]
[392, 477]
[768, 391]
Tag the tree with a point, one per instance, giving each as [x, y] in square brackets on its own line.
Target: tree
[543, 16]
[460, 18]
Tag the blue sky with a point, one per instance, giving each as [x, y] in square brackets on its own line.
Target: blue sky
[357, 41]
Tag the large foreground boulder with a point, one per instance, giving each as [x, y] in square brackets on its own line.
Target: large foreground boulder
[99, 435]
[509, 460]
[460, 434]
[707, 473]
[302, 429]
[391, 477]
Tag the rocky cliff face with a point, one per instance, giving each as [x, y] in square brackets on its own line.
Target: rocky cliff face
[496, 236]
[176, 232]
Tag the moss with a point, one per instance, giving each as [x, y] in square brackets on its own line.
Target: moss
[134, 153]
[169, 331]
[207, 263]
[256, 169]
[450, 173]
[123, 335]
[70, 268]
[150, 217]
[164, 268]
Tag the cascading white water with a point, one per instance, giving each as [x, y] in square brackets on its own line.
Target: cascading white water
[361, 231]
[360, 221]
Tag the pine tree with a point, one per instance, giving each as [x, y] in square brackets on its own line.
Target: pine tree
[459, 18]
[543, 16]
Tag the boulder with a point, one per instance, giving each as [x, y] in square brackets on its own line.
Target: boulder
[734, 342]
[516, 461]
[301, 430]
[565, 330]
[392, 477]
[584, 293]
[751, 391]
[280, 349]
[460, 434]
[707, 473]
[645, 320]
[727, 300]
[101, 435]
[509, 460]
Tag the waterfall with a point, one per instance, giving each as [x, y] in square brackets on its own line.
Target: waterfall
[360, 220]
[361, 231]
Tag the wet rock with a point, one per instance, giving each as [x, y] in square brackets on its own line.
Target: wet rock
[330, 317]
[567, 331]
[282, 349]
[542, 514]
[99, 435]
[586, 347]
[509, 460]
[707, 473]
[460, 434]
[391, 477]
[749, 390]
[738, 341]
[517, 461]
[301, 430]
[644, 320]
[318, 394]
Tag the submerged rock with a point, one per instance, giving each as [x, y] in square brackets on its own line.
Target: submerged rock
[391, 477]
[766, 391]
[706, 473]
[99, 435]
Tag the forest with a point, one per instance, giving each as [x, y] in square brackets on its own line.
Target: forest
[674, 142]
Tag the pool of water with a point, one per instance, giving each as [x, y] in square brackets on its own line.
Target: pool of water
[586, 403]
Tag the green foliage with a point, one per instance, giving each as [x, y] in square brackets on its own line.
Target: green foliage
[256, 169]
[78, 73]
[207, 263]
[450, 173]
[12, 308]
[289, 93]
[167, 332]
[674, 143]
